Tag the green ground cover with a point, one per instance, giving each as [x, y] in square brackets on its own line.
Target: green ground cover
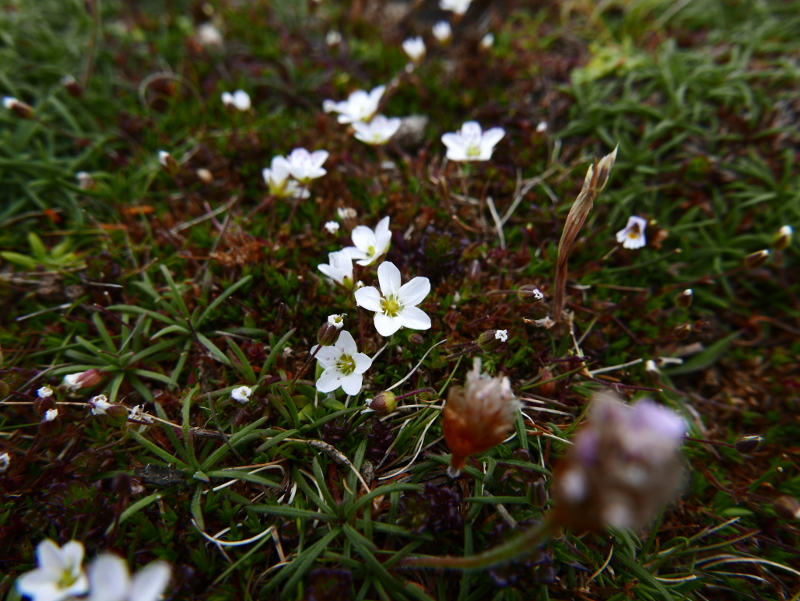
[179, 286]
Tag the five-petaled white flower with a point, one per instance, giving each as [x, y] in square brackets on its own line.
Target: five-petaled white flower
[378, 131]
[339, 268]
[443, 32]
[241, 394]
[414, 49]
[332, 227]
[359, 106]
[369, 244]
[279, 182]
[336, 320]
[343, 365]
[305, 166]
[110, 580]
[239, 100]
[501, 335]
[395, 305]
[59, 574]
[459, 7]
[632, 235]
[44, 392]
[471, 143]
[99, 404]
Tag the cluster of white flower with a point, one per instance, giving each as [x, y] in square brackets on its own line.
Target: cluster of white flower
[359, 110]
[288, 177]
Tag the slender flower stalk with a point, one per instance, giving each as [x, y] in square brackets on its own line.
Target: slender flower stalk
[594, 182]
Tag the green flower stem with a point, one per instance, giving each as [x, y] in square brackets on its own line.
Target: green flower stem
[520, 545]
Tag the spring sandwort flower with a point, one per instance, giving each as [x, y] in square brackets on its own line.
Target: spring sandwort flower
[443, 32]
[280, 183]
[339, 268]
[59, 573]
[109, 580]
[414, 49]
[370, 244]
[378, 131]
[239, 100]
[305, 166]
[359, 106]
[632, 235]
[471, 143]
[343, 365]
[331, 227]
[395, 305]
[5, 461]
[241, 394]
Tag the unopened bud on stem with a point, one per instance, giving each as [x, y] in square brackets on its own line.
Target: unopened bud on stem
[783, 238]
[749, 443]
[529, 294]
[20, 109]
[682, 331]
[168, 162]
[491, 340]
[756, 259]
[383, 403]
[329, 331]
[684, 299]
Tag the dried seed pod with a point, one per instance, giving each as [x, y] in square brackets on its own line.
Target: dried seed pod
[682, 331]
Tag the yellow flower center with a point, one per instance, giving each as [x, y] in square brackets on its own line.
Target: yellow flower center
[473, 151]
[346, 365]
[390, 306]
[67, 579]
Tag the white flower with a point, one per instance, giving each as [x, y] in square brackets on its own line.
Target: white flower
[359, 106]
[650, 366]
[44, 392]
[59, 573]
[110, 580]
[339, 268]
[337, 321]
[99, 404]
[5, 461]
[632, 235]
[9, 102]
[346, 213]
[279, 182]
[395, 306]
[414, 49]
[305, 166]
[241, 394]
[50, 415]
[333, 38]
[541, 127]
[471, 143]
[442, 32]
[369, 244]
[378, 131]
[459, 7]
[501, 335]
[85, 180]
[209, 36]
[137, 414]
[163, 157]
[343, 365]
[332, 227]
[240, 100]
[487, 41]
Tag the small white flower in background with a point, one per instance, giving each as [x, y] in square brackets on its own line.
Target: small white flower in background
[471, 143]
[67, 80]
[378, 131]
[632, 235]
[5, 461]
[545, 322]
[343, 365]
[240, 100]
[209, 36]
[137, 414]
[414, 49]
[280, 184]
[50, 415]
[332, 227]
[241, 394]
[339, 268]
[163, 157]
[359, 106]
[287, 351]
[85, 180]
[109, 580]
[333, 38]
[443, 32]
[58, 575]
[650, 366]
[9, 102]
[501, 335]
[99, 404]
[542, 127]
[337, 320]
[346, 213]
[369, 244]
[459, 7]
[44, 392]
[487, 41]
[395, 305]
[305, 166]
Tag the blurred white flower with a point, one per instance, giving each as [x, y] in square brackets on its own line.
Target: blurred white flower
[5, 461]
[164, 157]
[337, 320]
[414, 49]
[208, 36]
[332, 227]
[85, 180]
[279, 182]
[241, 394]
[44, 392]
[333, 38]
[50, 414]
[58, 575]
[343, 365]
[487, 41]
[99, 404]
[501, 335]
[632, 235]
[110, 580]
[378, 131]
[541, 127]
[395, 305]
[305, 166]
[369, 244]
[459, 7]
[339, 268]
[359, 106]
[138, 414]
[346, 213]
[240, 100]
[471, 143]
[443, 32]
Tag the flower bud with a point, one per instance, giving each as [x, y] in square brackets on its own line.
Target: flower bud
[20, 109]
[491, 340]
[786, 507]
[5, 461]
[51, 424]
[604, 167]
[684, 299]
[547, 386]
[72, 87]
[782, 238]
[168, 162]
[329, 331]
[84, 379]
[756, 259]
[204, 175]
[384, 402]
[529, 294]
[749, 443]
[44, 391]
[43, 404]
[682, 331]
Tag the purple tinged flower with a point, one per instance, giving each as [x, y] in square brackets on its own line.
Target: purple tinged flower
[632, 235]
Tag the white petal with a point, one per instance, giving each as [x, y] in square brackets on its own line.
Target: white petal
[363, 237]
[318, 157]
[49, 556]
[362, 361]
[40, 586]
[389, 278]
[414, 292]
[383, 236]
[622, 235]
[346, 344]
[149, 583]
[337, 275]
[280, 168]
[109, 579]
[386, 325]
[369, 298]
[493, 136]
[329, 106]
[329, 380]
[351, 383]
[376, 94]
[451, 140]
[457, 154]
[355, 253]
[328, 356]
[73, 553]
[414, 318]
